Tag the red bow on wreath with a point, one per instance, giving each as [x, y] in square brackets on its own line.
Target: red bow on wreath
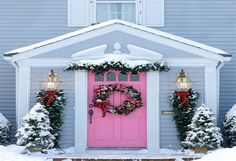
[50, 94]
[103, 105]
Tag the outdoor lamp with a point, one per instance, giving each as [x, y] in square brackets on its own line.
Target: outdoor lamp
[52, 82]
[182, 82]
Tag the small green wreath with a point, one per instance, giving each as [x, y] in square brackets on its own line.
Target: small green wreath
[103, 92]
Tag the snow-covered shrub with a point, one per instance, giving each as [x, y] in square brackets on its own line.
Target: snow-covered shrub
[229, 128]
[5, 130]
[202, 130]
[35, 130]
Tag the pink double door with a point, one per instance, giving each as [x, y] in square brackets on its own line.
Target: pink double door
[117, 130]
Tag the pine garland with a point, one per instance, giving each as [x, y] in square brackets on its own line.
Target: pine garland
[123, 67]
[55, 111]
[183, 113]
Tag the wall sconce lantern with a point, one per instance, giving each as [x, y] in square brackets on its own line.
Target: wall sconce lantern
[182, 82]
[52, 83]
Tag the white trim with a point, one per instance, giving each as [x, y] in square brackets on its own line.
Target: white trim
[153, 112]
[127, 27]
[90, 53]
[23, 92]
[137, 52]
[211, 89]
[81, 91]
[190, 62]
[191, 49]
[46, 62]
[49, 62]
[218, 89]
[143, 16]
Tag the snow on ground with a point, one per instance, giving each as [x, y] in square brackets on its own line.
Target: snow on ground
[227, 154]
[14, 152]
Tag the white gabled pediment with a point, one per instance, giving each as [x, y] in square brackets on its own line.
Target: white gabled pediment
[135, 53]
[141, 53]
[92, 53]
[139, 31]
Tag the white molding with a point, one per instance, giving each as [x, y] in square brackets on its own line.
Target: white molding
[161, 10]
[171, 43]
[23, 92]
[81, 91]
[211, 86]
[137, 52]
[45, 62]
[48, 62]
[122, 26]
[92, 53]
[63, 43]
[153, 112]
[191, 62]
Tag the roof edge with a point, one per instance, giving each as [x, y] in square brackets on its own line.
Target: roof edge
[112, 22]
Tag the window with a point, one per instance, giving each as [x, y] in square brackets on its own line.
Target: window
[115, 9]
[144, 12]
[111, 76]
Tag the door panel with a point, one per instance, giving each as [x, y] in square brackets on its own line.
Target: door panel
[117, 130]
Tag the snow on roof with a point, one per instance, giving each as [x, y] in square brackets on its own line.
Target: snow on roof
[113, 58]
[112, 22]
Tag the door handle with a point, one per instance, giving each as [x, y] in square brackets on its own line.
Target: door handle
[91, 113]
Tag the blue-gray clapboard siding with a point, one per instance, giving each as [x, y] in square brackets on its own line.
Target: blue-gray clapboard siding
[24, 22]
[68, 85]
[168, 131]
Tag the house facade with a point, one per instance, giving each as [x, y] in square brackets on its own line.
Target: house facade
[139, 36]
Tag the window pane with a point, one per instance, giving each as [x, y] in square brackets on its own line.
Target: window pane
[108, 11]
[134, 77]
[123, 77]
[99, 77]
[111, 76]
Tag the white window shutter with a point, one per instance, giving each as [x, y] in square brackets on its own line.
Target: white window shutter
[153, 13]
[78, 12]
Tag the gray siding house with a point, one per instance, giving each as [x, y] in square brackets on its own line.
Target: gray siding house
[159, 27]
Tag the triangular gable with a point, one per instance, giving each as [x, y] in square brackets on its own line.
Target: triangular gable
[123, 26]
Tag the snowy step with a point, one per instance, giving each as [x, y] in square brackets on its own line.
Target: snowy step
[79, 159]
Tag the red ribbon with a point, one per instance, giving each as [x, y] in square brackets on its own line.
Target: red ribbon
[103, 106]
[50, 94]
[183, 96]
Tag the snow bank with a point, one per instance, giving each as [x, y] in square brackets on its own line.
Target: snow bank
[13, 153]
[227, 154]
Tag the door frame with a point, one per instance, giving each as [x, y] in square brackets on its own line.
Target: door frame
[153, 113]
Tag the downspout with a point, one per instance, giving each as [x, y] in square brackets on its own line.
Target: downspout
[218, 68]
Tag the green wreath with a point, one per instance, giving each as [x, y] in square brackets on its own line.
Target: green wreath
[103, 92]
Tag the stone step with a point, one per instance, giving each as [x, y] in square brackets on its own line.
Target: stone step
[170, 159]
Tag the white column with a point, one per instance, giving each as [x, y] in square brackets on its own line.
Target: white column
[211, 88]
[81, 102]
[153, 112]
[22, 92]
